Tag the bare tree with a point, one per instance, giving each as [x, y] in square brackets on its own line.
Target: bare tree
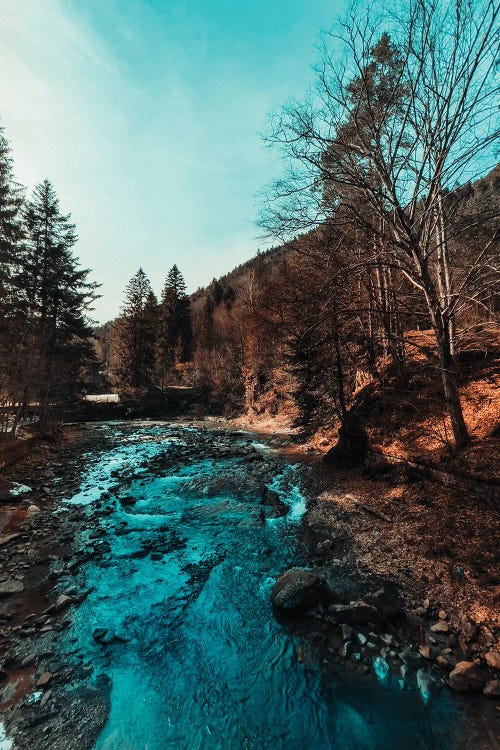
[388, 133]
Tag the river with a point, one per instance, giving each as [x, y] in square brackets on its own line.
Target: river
[179, 616]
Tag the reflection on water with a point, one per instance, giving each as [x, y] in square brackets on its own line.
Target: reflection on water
[196, 658]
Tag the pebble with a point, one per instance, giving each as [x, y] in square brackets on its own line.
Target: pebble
[44, 679]
[440, 627]
[492, 689]
[493, 659]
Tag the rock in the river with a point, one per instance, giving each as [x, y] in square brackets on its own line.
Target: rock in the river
[63, 602]
[7, 588]
[99, 634]
[128, 501]
[426, 685]
[467, 675]
[32, 510]
[277, 508]
[382, 670]
[44, 679]
[492, 689]
[298, 590]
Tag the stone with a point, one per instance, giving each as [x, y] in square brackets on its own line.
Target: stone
[346, 632]
[492, 659]
[324, 546]
[44, 679]
[356, 613]
[382, 670]
[361, 639]
[32, 510]
[492, 689]
[128, 501]
[63, 602]
[10, 587]
[426, 685]
[299, 590]
[412, 659]
[276, 507]
[387, 602]
[352, 445]
[440, 627]
[387, 638]
[426, 604]
[99, 634]
[45, 698]
[446, 662]
[467, 675]
[425, 651]
[345, 649]
[442, 615]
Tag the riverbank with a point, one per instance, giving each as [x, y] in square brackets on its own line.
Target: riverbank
[339, 537]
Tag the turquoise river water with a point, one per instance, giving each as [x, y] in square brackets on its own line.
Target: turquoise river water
[196, 657]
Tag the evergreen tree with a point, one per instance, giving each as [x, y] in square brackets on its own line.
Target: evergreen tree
[54, 298]
[134, 336]
[176, 332]
[11, 231]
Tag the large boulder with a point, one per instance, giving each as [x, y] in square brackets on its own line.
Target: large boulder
[467, 675]
[275, 507]
[352, 446]
[299, 590]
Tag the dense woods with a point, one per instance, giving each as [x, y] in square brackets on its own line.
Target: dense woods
[389, 267]
[46, 353]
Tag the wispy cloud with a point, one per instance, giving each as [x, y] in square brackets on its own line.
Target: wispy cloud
[145, 115]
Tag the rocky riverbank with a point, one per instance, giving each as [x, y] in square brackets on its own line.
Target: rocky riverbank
[45, 698]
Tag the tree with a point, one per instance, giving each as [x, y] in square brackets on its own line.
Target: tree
[11, 229]
[134, 336]
[11, 237]
[388, 135]
[56, 299]
[175, 328]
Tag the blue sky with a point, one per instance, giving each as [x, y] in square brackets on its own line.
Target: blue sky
[146, 116]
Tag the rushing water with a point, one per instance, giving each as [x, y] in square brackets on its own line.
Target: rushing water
[197, 660]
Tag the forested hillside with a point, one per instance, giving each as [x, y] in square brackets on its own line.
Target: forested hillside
[387, 281]
[314, 326]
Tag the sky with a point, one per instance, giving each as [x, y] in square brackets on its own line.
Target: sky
[147, 115]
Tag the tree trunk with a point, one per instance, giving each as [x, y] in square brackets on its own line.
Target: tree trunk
[446, 361]
[450, 387]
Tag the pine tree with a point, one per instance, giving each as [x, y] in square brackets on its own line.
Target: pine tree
[134, 336]
[11, 231]
[176, 331]
[11, 234]
[54, 303]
